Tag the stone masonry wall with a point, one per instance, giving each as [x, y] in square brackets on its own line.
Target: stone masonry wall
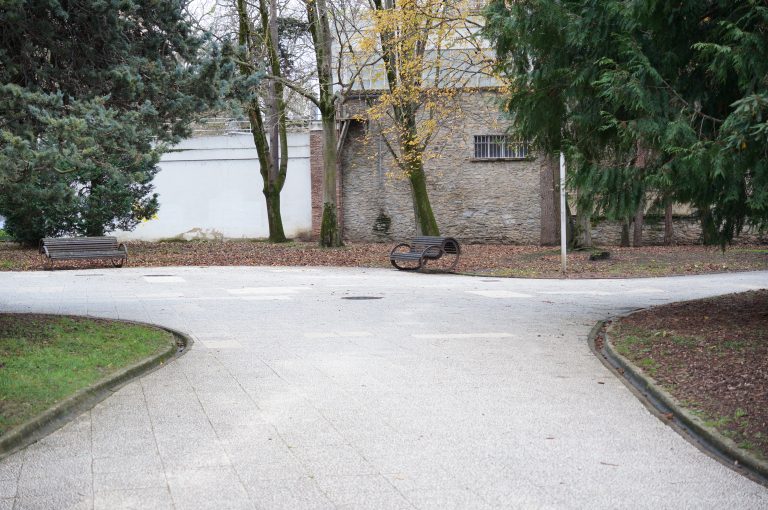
[685, 230]
[474, 201]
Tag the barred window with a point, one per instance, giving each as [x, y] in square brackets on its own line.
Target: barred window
[499, 147]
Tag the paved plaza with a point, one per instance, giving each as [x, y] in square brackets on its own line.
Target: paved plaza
[366, 388]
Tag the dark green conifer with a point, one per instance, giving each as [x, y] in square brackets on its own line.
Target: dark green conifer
[91, 93]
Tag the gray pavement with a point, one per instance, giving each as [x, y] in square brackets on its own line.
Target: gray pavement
[447, 392]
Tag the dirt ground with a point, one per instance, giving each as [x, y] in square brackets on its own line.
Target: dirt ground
[488, 260]
[712, 355]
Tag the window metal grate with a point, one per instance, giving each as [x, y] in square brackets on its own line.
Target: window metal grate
[499, 147]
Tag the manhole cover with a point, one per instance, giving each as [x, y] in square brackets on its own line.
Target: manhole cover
[157, 275]
[490, 281]
[356, 298]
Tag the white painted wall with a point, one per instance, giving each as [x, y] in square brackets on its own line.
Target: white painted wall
[211, 187]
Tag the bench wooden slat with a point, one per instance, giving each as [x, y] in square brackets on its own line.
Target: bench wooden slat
[75, 248]
[86, 255]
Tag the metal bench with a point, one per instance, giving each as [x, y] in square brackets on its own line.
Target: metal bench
[422, 249]
[75, 248]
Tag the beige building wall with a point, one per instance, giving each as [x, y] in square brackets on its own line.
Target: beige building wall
[473, 200]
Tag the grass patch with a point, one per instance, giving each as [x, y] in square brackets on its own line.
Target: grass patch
[633, 342]
[734, 345]
[685, 341]
[649, 364]
[45, 359]
[508, 273]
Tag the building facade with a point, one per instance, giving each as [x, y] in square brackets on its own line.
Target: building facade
[483, 186]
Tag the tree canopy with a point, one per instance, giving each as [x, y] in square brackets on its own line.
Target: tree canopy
[645, 95]
[90, 93]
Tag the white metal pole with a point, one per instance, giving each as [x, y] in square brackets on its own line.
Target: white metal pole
[563, 231]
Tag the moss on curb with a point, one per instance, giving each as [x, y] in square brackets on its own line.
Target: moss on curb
[66, 410]
[662, 404]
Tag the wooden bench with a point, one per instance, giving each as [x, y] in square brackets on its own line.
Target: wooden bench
[424, 248]
[75, 248]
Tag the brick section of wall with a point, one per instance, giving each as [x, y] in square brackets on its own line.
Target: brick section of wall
[316, 172]
[474, 201]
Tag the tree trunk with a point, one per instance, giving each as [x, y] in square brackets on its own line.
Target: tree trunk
[669, 233]
[583, 229]
[550, 204]
[625, 233]
[274, 218]
[708, 229]
[640, 162]
[637, 237]
[330, 236]
[583, 237]
[269, 135]
[422, 209]
[322, 38]
[271, 184]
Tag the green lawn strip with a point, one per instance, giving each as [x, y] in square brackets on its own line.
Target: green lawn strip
[45, 359]
[662, 355]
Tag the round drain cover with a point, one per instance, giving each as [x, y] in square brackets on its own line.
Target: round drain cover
[362, 297]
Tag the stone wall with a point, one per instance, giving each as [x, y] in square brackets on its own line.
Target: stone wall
[474, 201]
[685, 230]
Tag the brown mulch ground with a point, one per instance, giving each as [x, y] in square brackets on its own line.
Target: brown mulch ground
[712, 355]
[490, 260]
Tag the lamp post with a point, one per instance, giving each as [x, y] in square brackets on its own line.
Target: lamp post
[563, 236]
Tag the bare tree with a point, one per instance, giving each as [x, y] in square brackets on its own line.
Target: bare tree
[429, 56]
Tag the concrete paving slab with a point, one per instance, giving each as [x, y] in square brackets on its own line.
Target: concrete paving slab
[449, 392]
[294, 494]
[8, 488]
[134, 499]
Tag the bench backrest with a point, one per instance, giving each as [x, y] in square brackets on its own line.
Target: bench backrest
[448, 244]
[79, 244]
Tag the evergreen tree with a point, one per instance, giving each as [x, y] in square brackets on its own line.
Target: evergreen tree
[91, 92]
[682, 87]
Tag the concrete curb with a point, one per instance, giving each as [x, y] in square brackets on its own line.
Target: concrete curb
[668, 409]
[65, 411]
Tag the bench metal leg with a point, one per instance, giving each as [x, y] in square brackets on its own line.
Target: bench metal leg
[455, 263]
[404, 268]
[118, 262]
